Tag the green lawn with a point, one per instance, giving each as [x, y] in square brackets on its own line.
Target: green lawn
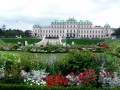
[83, 41]
[113, 42]
[1, 41]
[68, 41]
[42, 56]
[15, 40]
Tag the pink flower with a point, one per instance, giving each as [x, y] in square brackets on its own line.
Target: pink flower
[102, 77]
[72, 74]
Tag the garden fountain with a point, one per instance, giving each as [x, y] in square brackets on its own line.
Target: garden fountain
[46, 41]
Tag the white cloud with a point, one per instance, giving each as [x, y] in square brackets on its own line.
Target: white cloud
[27, 12]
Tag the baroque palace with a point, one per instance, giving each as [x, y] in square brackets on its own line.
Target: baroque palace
[71, 28]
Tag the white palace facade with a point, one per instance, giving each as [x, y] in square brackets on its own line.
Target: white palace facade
[71, 28]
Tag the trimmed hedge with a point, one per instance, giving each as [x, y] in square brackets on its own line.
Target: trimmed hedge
[33, 87]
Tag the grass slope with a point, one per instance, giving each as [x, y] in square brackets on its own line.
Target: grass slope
[15, 40]
[68, 41]
[115, 42]
[1, 41]
[84, 41]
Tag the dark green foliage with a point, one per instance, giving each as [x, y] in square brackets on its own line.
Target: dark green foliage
[14, 33]
[28, 87]
[77, 61]
[99, 49]
[117, 32]
[17, 79]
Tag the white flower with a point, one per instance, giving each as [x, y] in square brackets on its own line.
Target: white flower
[43, 83]
[24, 80]
[38, 83]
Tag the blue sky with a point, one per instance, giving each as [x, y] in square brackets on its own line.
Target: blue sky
[23, 14]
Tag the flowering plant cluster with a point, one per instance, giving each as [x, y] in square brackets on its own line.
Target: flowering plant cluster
[71, 79]
[87, 76]
[34, 77]
[108, 79]
[105, 45]
[42, 78]
[56, 80]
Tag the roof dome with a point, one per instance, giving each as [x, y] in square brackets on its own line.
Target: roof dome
[71, 20]
[85, 22]
[106, 25]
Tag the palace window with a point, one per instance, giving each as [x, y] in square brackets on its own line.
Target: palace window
[90, 31]
[87, 36]
[87, 31]
[67, 31]
[84, 36]
[81, 31]
[81, 35]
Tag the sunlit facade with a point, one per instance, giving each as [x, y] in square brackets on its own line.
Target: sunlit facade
[71, 28]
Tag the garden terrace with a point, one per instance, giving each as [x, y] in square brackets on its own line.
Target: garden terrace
[79, 68]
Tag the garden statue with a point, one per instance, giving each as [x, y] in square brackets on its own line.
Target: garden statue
[73, 43]
[26, 43]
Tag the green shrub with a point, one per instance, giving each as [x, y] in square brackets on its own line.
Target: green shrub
[10, 63]
[76, 61]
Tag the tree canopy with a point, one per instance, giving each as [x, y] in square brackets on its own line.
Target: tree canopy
[14, 33]
[116, 32]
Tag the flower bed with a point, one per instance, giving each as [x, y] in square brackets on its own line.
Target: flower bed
[77, 69]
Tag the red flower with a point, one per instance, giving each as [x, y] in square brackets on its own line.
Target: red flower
[56, 80]
[106, 71]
